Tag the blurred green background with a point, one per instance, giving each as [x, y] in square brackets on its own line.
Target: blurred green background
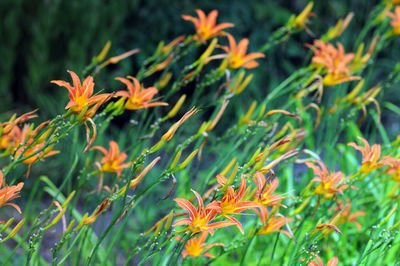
[40, 40]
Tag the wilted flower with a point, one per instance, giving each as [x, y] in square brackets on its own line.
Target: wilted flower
[9, 193]
[195, 247]
[236, 54]
[113, 159]
[7, 127]
[100, 209]
[205, 26]
[200, 218]
[138, 97]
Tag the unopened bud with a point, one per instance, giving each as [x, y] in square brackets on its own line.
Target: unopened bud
[6, 225]
[139, 178]
[176, 159]
[15, 230]
[187, 160]
[104, 52]
[177, 106]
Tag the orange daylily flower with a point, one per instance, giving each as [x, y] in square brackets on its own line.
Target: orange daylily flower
[195, 246]
[6, 141]
[138, 97]
[332, 262]
[24, 142]
[330, 184]
[265, 190]
[80, 95]
[370, 156]
[274, 225]
[395, 20]
[236, 54]
[345, 216]
[9, 129]
[334, 61]
[233, 202]
[113, 159]
[394, 170]
[205, 26]
[9, 193]
[200, 218]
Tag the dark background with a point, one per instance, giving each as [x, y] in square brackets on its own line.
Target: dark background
[40, 40]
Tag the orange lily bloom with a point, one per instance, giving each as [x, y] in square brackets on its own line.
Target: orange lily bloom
[205, 26]
[265, 190]
[334, 61]
[274, 225]
[26, 138]
[199, 218]
[7, 139]
[233, 202]
[345, 215]
[138, 97]
[332, 262]
[80, 95]
[394, 170]
[113, 159]
[9, 193]
[195, 246]
[395, 20]
[9, 130]
[237, 54]
[370, 156]
[330, 184]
